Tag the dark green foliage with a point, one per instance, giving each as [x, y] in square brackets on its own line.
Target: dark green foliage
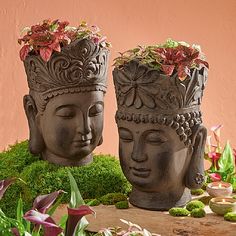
[92, 202]
[122, 205]
[230, 216]
[13, 161]
[113, 198]
[102, 176]
[197, 192]
[234, 197]
[177, 211]
[198, 213]
[194, 204]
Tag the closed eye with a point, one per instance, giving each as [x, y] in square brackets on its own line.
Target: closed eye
[125, 135]
[65, 112]
[96, 109]
[155, 138]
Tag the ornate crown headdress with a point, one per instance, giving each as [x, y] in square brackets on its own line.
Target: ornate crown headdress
[80, 67]
[145, 95]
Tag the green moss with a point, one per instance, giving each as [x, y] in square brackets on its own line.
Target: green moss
[197, 192]
[122, 205]
[13, 161]
[113, 198]
[177, 211]
[102, 176]
[230, 216]
[194, 204]
[92, 202]
[198, 213]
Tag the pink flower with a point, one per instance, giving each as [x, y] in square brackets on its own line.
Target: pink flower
[215, 177]
[214, 156]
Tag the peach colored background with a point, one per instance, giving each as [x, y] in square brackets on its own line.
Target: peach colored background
[126, 23]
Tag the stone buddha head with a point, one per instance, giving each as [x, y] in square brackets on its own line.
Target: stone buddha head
[161, 138]
[65, 103]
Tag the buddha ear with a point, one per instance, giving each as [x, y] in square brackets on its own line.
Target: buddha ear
[36, 142]
[195, 174]
[100, 141]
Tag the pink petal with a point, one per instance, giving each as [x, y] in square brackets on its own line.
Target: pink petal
[50, 227]
[15, 232]
[215, 177]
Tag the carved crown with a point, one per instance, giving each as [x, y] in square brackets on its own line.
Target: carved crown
[80, 66]
[142, 89]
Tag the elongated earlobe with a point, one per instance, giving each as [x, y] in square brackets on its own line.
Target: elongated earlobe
[195, 174]
[100, 141]
[36, 142]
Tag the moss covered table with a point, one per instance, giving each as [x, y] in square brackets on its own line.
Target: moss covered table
[159, 222]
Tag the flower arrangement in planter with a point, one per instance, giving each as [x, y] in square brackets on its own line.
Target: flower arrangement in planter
[222, 159]
[167, 58]
[159, 90]
[68, 64]
[49, 36]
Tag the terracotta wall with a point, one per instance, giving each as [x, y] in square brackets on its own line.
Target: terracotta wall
[126, 23]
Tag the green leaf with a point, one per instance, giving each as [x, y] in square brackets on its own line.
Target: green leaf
[76, 199]
[226, 162]
[19, 210]
[62, 222]
[80, 228]
[52, 209]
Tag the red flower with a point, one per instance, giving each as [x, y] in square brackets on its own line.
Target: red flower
[49, 36]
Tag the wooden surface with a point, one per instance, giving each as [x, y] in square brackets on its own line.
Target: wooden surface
[158, 222]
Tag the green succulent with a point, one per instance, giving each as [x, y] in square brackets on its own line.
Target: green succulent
[112, 198]
[178, 211]
[197, 192]
[194, 204]
[230, 216]
[122, 205]
[198, 213]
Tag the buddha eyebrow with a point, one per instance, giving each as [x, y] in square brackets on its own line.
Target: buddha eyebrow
[65, 106]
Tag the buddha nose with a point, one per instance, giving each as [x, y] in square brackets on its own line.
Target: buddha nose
[137, 154]
[84, 128]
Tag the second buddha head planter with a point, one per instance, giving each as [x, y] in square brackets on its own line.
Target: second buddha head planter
[161, 138]
[64, 106]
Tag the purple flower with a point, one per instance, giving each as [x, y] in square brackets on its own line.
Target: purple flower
[49, 225]
[43, 202]
[4, 184]
[74, 216]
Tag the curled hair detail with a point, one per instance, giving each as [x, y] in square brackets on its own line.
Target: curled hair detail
[183, 124]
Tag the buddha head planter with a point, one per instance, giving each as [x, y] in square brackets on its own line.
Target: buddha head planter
[64, 106]
[161, 138]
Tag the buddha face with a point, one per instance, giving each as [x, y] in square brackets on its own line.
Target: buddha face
[152, 156]
[71, 126]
